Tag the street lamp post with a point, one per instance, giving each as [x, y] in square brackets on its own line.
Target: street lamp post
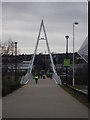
[15, 61]
[75, 23]
[66, 56]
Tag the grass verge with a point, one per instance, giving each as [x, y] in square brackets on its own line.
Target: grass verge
[81, 87]
[79, 97]
[9, 84]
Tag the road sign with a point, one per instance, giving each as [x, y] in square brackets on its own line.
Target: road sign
[66, 62]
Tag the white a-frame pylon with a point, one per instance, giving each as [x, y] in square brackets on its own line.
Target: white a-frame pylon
[27, 77]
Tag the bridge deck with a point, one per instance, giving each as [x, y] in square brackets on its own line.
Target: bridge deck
[44, 100]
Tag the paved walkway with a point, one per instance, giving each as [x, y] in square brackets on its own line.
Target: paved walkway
[44, 100]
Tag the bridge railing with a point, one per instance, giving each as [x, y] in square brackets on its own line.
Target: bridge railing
[26, 78]
[56, 78]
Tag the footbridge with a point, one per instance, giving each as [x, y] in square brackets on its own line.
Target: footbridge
[28, 75]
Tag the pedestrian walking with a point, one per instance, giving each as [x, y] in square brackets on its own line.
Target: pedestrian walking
[36, 78]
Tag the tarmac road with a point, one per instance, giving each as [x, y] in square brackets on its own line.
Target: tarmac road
[42, 100]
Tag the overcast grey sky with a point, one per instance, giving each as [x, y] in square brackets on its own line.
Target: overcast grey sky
[21, 22]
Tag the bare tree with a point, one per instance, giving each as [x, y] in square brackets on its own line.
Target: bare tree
[10, 47]
[7, 47]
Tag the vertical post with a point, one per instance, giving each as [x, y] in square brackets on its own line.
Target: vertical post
[73, 53]
[66, 57]
[15, 61]
[12, 59]
[45, 63]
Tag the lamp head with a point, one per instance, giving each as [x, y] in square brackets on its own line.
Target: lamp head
[76, 23]
[15, 42]
[67, 37]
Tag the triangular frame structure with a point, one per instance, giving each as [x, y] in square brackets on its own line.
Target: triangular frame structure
[27, 77]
